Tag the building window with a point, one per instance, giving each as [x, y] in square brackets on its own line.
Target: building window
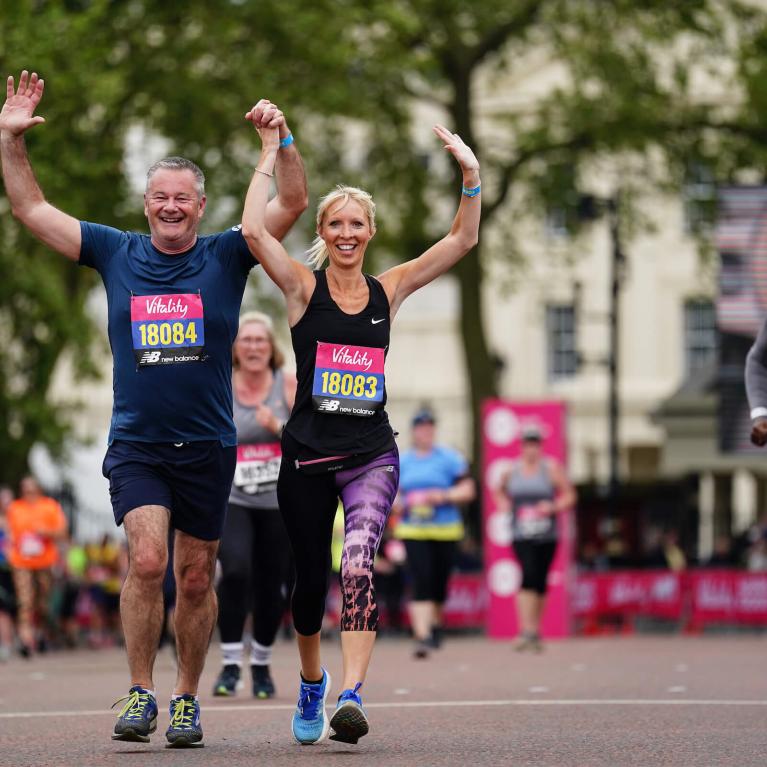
[699, 196]
[700, 336]
[555, 223]
[562, 349]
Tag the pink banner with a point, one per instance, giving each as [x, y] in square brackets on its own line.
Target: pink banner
[502, 423]
[725, 596]
[466, 605]
[661, 594]
[465, 608]
[180, 306]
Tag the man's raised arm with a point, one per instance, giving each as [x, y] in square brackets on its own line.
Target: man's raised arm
[55, 228]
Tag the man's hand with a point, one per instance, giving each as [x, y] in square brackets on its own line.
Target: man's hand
[759, 432]
[18, 113]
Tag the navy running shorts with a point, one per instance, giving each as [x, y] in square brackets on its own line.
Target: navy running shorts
[191, 479]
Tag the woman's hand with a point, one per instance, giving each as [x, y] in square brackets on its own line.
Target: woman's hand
[268, 419]
[462, 152]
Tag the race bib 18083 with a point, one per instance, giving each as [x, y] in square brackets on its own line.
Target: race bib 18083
[348, 380]
[167, 329]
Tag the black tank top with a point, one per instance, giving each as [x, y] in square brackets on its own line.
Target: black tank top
[318, 421]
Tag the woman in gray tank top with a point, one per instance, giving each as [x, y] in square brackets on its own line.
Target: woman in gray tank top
[535, 489]
[255, 551]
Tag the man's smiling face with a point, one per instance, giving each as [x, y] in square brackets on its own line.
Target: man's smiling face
[173, 209]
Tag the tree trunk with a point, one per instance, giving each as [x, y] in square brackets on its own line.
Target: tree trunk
[480, 367]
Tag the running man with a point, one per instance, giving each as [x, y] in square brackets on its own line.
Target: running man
[174, 299]
[338, 441]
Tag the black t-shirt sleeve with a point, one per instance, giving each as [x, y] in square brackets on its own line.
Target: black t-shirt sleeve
[99, 243]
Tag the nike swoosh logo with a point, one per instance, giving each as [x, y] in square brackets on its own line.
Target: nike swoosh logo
[375, 322]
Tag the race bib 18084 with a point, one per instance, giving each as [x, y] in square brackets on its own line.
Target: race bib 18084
[167, 329]
[348, 380]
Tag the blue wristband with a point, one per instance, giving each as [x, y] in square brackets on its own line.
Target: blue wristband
[471, 192]
[287, 141]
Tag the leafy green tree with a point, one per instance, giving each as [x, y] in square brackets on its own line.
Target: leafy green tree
[188, 72]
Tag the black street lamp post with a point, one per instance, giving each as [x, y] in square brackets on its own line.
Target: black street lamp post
[590, 208]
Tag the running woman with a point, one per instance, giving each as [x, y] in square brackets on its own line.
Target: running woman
[535, 488]
[173, 301]
[255, 551]
[338, 441]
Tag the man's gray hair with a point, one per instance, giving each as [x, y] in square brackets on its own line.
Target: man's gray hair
[179, 163]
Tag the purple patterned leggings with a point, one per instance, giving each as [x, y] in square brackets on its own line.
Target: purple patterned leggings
[308, 505]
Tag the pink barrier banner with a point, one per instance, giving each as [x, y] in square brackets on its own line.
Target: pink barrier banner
[660, 594]
[466, 605]
[502, 423]
[465, 608]
[728, 596]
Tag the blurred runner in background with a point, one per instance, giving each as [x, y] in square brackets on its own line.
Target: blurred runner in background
[434, 482]
[35, 523]
[255, 551]
[534, 489]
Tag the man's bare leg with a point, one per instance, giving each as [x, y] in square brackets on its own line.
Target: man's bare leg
[194, 563]
[141, 604]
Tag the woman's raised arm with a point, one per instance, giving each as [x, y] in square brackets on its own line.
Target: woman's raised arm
[404, 279]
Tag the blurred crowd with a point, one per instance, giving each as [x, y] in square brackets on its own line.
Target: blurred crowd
[663, 549]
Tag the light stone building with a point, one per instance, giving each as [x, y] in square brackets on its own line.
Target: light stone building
[555, 315]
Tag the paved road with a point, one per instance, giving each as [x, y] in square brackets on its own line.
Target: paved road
[587, 702]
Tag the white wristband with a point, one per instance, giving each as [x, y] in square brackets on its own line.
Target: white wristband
[758, 412]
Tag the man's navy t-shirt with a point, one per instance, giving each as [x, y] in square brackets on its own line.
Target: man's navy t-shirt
[172, 322]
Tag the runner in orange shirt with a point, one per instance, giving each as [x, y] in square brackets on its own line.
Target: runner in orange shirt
[35, 523]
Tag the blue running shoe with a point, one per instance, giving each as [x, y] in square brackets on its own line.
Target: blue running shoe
[138, 718]
[349, 723]
[184, 730]
[310, 722]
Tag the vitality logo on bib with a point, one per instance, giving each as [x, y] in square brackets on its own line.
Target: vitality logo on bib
[167, 329]
[348, 380]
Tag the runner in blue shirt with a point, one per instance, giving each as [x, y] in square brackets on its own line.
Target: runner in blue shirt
[434, 483]
[174, 300]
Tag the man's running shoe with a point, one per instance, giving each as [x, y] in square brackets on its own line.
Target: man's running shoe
[349, 722]
[138, 718]
[310, 722]
[184, 730]
[263, 686]
[226, 684]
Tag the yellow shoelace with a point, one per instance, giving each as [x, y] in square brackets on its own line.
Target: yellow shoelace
[183, 713]
[136, 701]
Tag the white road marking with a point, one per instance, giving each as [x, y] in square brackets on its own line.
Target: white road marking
[537, 689]
[677, 688]
[209, 709]
[402, 691]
